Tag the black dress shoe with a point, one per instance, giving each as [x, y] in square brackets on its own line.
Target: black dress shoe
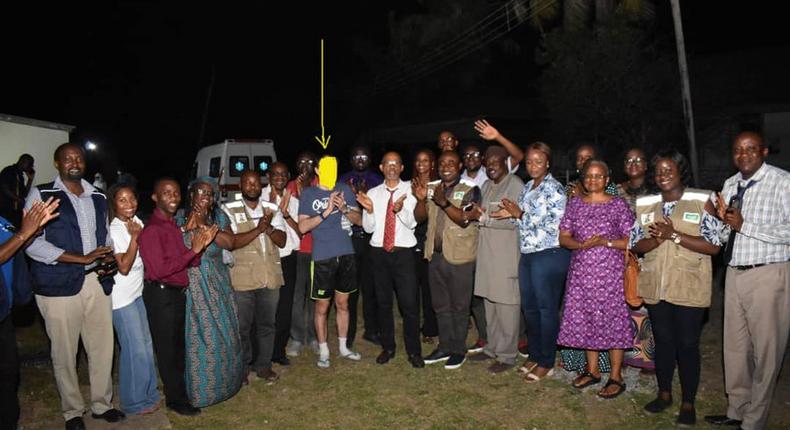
[282, 361]
[184, 409]
[416, 361]
[385, 356]
[110, 415]
[722, 420]
[372, 338]
[75, 423]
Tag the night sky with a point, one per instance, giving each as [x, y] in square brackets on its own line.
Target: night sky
[134, 76]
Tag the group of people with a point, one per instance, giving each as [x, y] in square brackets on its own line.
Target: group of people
[537, 262]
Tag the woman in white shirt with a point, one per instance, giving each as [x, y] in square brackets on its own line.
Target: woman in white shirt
[138, 379]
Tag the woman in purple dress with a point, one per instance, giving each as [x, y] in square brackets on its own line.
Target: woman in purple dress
[595, 317]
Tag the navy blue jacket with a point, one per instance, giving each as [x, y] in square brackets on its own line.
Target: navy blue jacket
[66, 279]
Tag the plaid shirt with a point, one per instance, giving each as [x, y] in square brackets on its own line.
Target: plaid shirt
[765, 234]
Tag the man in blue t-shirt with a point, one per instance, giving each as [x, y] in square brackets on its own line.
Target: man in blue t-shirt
[334, 271]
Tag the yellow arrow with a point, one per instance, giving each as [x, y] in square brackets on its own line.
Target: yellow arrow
[323, 140]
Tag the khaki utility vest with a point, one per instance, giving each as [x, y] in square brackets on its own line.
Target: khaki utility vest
[684, 276]
[459, 245]
[254, 267]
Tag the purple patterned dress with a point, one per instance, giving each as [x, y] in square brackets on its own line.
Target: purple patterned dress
[595, 315]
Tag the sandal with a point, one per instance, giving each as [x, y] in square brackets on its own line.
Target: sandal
[527, 367]
[620, 389]
[531, 378]
[592, 380]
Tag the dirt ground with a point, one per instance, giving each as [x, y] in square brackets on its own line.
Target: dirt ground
[360, 395]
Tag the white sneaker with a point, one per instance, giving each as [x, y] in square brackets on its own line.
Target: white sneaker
[353, 356]
[294, 348]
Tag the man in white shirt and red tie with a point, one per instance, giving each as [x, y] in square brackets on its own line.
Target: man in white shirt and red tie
[389, 217]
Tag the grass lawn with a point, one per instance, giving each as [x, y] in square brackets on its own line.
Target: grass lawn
[365, 395]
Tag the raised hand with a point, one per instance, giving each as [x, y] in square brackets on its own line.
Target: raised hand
[38, 215]
[397, 205]
[419, 188]
[300, 182]
[266, 220]
[365, 201]
[439, 196]
[511, 208]
[284, 202]
[721, 206]
[133, 228]
[486, 130]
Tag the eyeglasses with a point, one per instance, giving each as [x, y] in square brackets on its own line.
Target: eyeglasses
[391, 163]
[204, 192]
[447, 139]
[634, 160]
[303, 162]
[360, 158]
[474, 154]
[595, 177]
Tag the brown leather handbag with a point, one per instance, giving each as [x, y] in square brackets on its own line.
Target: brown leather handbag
[630, 278]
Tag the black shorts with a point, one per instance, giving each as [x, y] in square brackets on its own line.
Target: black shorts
[336, 274]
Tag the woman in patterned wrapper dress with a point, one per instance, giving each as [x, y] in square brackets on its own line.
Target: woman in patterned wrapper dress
[595, 316]
[214, 368]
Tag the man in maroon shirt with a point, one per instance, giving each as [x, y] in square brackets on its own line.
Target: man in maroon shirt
[166, 260]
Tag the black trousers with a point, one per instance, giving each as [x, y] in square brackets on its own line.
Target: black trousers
[9, 375]
[166, 308]
[677, 331]
[393, 273]
[365, 288]
[429, 326]
[284, 306]
[451, 292]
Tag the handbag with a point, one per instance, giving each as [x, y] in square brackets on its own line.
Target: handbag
[630, 278]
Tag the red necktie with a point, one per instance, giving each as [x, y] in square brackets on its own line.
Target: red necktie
[389, 225]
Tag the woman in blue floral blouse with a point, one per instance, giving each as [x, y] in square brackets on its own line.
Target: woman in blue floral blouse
[544, 263]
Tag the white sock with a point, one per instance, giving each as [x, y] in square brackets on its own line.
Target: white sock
[343, 346]
[323, 350]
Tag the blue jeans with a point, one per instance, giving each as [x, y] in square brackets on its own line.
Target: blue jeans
[541, 278]
[138, 378]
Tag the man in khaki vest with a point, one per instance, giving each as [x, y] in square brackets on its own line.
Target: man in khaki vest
[450, 247]
[256, 273]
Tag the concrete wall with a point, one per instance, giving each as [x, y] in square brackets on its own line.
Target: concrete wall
[17, 139]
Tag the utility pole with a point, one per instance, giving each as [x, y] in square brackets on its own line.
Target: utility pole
[209, 93]
[688, 113]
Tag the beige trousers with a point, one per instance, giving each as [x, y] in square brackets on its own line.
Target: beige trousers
[502, 329]
[756, 327]
[87, 314]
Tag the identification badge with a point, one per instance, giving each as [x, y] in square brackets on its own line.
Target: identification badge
[648, 218]
[458, 195]
[691, 217]
[240, 218]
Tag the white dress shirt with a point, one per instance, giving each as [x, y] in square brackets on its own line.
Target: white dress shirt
[292, 237]
[404, 219]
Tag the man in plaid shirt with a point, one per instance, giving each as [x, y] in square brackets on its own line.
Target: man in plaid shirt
[755, 206]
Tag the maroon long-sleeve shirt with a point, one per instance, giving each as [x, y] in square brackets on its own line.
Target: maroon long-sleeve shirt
[164, 254]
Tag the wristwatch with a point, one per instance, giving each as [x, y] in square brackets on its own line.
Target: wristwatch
[675, 238]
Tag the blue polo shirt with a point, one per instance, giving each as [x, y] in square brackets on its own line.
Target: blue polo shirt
[7, 269]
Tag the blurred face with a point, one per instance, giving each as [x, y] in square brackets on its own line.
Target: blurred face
[391, 166]
[667, 175]
[596, 178]
[125, 204]
[447, 141]
[449, 166]
[167, 197]
[278, 176]
[250, 185]
[583, 154]
[423, 163]
[748, 153]
[537, 163]
[70, 163]
[473, 159]
[496, 168]
[360, 159]
[635, 163]
[203, 195]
